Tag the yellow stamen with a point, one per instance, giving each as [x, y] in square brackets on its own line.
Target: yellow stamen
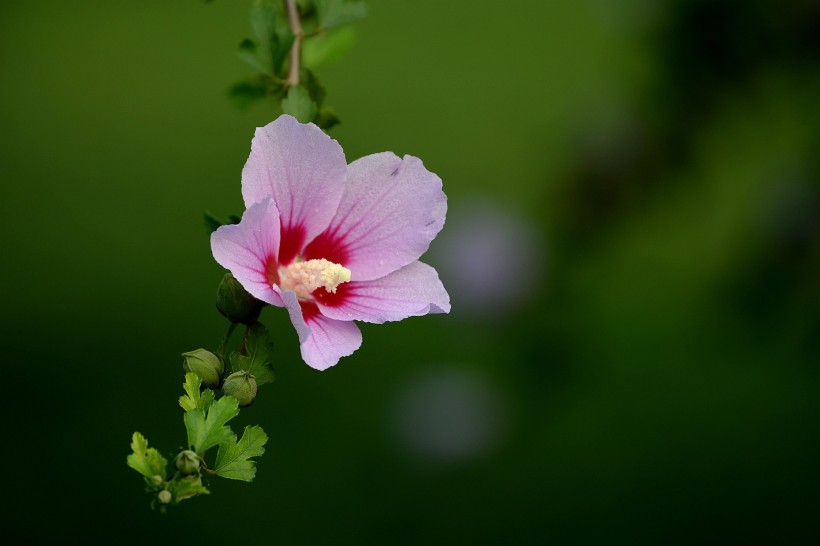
[305, 277]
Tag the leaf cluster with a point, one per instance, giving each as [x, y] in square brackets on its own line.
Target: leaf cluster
[325, 39]
[206, 425]
[207, 428]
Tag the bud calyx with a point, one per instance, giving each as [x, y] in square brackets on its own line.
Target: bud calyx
[188, 462]
[233, 301]
[205, 364]
[242, 386]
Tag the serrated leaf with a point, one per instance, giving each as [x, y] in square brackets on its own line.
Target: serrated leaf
[193, 398]
[187, 487]
[247, 52]
[233, 459]
[328, 47]
[257, 361]
[299, 104]
[190, 400]
[147, 461]
[334, 13]
[207, 432]
[206, 398]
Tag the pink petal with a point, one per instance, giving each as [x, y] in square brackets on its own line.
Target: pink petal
[391, 210]
[249, 248]
[412, 291]
[303, 170]
[323, 340]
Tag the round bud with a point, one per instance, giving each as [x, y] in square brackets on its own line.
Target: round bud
[164, 496]
[242, 386]
[156, 479]
[233, 301]
[187, 462]
[205, 364]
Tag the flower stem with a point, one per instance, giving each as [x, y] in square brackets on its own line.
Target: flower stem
[295, 50]
[242, 349]
[224, 345]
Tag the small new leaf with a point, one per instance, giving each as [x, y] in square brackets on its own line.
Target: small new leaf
[299, 104]
[147, 461]
[247, 52]
[193, 399]
[212, 223]
[187, 487]
[207, 432]
[233, 459]
[257, 361]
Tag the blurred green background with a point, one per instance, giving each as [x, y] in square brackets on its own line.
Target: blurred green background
[632, 249]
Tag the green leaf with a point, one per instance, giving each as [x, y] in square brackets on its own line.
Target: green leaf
[315, 89]
[206, 399]
[327, 119]
[246, 92]
[193, 399]
[233, 459]
[187, 487]
[273, 33]
[247, 52]
[258, 359]
[190, 401]
[212, 223]
[147, 461]
[334, 13]
[299, 104]
[328, 47]
[206, 432]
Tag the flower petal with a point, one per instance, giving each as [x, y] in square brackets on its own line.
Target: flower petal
[391, 210]
[247, 248]
[303, 170]
[412, 291]
[323, 340]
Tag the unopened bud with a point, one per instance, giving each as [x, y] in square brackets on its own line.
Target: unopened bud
[205, 364]
[156, 479]
[164, 496]
[233, 301]
[187, 462]
[242, 386]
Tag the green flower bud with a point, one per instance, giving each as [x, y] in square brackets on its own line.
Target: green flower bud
[233, 301]
[242, 386]
[164, 496]
[156, 479]
[205, 364]
[187, 462]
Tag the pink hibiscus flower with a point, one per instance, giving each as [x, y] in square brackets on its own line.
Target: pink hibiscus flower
[332, 242]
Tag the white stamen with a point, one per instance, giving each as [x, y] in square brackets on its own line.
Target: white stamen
[305, 277]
